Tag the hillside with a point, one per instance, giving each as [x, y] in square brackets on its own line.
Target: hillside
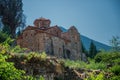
[20, 64]
[86, 41]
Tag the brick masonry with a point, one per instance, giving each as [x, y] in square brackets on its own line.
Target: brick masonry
[43, 37]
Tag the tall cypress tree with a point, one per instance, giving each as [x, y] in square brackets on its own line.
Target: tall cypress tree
[92, 50]
[12, 15]
[84, 49]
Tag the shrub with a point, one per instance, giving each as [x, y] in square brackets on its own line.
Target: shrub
[17, 49]
[117, 61]
[32, 78]
[3, 36]
[107, 57]
[92, 76]
[81, 64]
[8, 71]
[115, 78]
[116, 69]
[41, 56]
[93, 65]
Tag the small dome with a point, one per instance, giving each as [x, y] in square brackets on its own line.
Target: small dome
[42, 22]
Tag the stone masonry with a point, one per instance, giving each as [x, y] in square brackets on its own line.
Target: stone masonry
[51, 39]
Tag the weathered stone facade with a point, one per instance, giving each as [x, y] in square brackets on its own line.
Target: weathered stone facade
[41, 37]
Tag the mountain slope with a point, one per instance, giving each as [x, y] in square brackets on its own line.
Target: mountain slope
[86, 42]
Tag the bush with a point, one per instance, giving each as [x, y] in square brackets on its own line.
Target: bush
[17, 49]
[115, 78]
[3, 36]
[117, 61]
[41, 56]
[94, 65]
[92, 76]
[74, 64]
[107, 57]
[33, 78]
[81, 64]
[8, 71]
[116, 69]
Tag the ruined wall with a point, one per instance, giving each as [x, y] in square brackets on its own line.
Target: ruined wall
[74, 37]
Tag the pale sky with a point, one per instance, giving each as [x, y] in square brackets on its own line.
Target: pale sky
[96, 19]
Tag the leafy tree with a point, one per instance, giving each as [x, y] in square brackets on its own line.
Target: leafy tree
[92, 50]
[12, 15]
[115, 43]
[3, 36]
[7, 69]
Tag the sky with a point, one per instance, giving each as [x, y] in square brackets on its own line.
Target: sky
[96, 19]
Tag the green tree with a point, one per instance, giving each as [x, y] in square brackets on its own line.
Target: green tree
[84, 49]
[12, 15]
[92, 50]
[3, 36]
[7, 69]
[115, 43]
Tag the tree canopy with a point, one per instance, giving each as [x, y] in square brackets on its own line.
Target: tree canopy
[92, 50]
[115, 43]
[11, 15]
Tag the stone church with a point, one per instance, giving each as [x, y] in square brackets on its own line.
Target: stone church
[51, 39]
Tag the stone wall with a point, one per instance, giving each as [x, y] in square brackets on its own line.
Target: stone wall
[51, 40]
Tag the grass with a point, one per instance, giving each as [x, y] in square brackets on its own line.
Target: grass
[80, 64]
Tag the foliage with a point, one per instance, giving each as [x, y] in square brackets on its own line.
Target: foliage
[41, 78]
[6, 29]
[33, 78]
[81, 64]
[17, 49]
[113, 59]
[116, 69]
[3, 36]
[92, 76]
[12, 15]
[8, 71]
[41, 56]
[93, 65]
[107, 57]
[5, 46]
[72, 64]
[92, 50]
[115, 78]
[115, 43]
[83, 48]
